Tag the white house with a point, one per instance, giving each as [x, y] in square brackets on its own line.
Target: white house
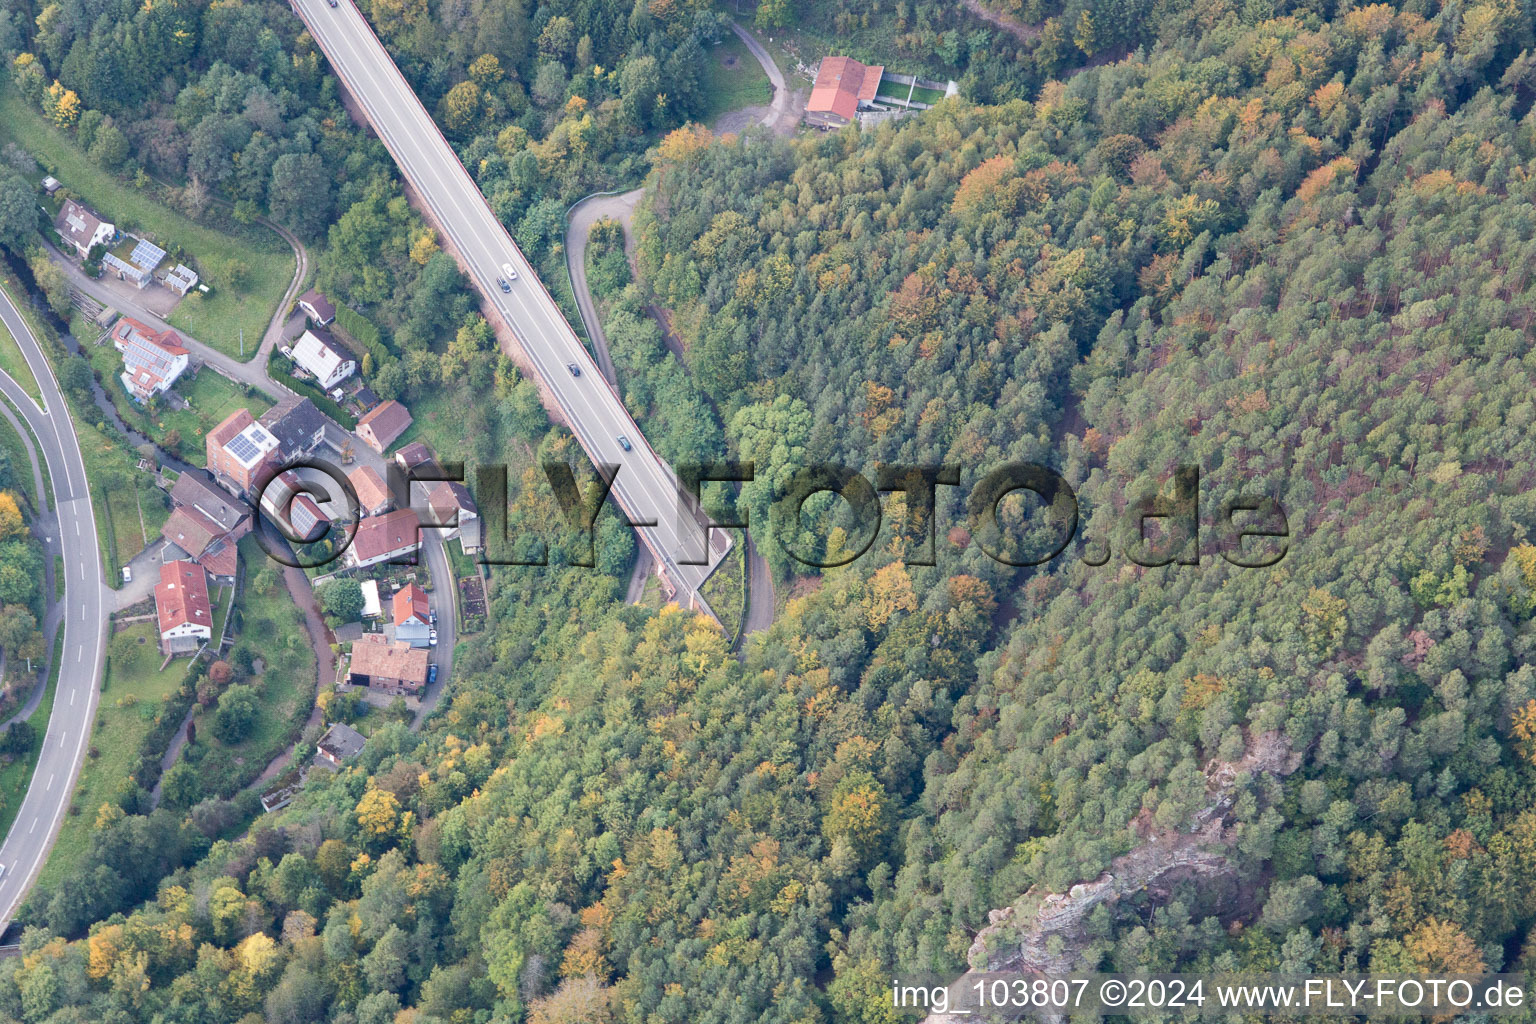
[340, 742]
[317, 307]
[413, 616]
[151, 361]
[82, 228]
[184, 613]
[393, 536]
[328, 366]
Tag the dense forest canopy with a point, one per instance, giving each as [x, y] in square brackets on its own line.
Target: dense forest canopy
[1284, 244]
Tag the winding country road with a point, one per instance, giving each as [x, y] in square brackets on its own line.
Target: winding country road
[84, 647]
[583, 216]
[780, 102]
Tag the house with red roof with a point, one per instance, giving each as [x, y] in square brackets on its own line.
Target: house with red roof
[182, 609]
[152, 360]
[843, 86]
[413, 616]
[383, 424]
[206, 525]
[373, 496]
[393, 536]
[241, 452]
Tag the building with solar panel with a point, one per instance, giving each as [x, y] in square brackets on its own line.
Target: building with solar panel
[152, 360]
[138, 266]
[285, 502]
[239, 450]
[80, 227]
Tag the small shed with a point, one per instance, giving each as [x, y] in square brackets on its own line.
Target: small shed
[340, 742]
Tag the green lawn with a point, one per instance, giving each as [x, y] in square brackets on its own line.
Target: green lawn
[651, 594]
[439, 421]
[134, 690]
[15, 364]
[895, 90]
[14, 777]
[742, 84]
[136, 514]
[215, 319]
[110, 469]
[213, 397]
[725, 589]
[272, 624]
[21, 466]
[462, 564]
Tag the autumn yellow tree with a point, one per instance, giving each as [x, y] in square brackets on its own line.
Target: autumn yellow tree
[859, 813]
[1523, 727]
[1085, 35]
[424, 247]
[396, 16]
[1443, 948]
[1324, 622]
[577, 1001]
[11, 523]
[889, 591]
[103, 949]
[378, 813]
[485, 70]
[683, 143]
[461, 106]
[62, 105]
[584, 956]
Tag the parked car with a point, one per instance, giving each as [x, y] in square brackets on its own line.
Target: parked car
[431, 674]
[506, 268]
[432, 638]
[624, 443]
[127, 574]
[575, 370]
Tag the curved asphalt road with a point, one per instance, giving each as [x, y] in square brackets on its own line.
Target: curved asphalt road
[84, 650]
[645, 486]
[780, 99]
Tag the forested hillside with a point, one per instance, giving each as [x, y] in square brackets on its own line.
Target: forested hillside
[1286, 246]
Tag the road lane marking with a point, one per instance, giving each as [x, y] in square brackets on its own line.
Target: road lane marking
[50, 782]
[458, 186]
[72, 482]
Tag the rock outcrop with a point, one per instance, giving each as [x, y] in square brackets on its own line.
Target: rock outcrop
[1042, 933]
